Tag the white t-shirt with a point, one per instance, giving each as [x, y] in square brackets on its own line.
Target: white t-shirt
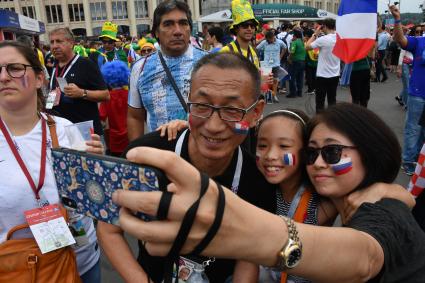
[16, 195]
[286, 40]
[328, 65]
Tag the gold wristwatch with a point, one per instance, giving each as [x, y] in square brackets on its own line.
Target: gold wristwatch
[290, 254]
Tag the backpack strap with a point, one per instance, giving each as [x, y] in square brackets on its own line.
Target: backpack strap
[52, 128]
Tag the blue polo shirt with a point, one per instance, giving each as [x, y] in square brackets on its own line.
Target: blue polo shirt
[416, 45]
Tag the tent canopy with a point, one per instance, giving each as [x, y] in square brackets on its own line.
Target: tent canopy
[274, 12]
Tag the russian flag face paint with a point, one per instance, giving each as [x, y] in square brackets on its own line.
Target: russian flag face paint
[241, 128]
[289, 159]
[343, 166]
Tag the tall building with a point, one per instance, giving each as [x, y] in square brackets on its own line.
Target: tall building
[85, 17]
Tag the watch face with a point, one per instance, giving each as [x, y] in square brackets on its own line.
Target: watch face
[294, 257]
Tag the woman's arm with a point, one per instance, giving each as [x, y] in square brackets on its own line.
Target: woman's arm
[112, 241]
[245, 272]
[240, 237]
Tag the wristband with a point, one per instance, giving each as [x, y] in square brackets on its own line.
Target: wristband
[397, 22]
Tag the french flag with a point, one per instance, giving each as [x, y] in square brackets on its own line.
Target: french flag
[343, 166]
[241, 128]
[355, 29]
[289, 159]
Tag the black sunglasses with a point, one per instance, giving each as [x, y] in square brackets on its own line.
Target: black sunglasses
[331, 154]
[248, 24]
[146, 51]
[108, 41]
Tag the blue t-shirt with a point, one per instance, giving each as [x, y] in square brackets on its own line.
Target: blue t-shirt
[155, 93]
[272, 52]
[383, 39]
[416, 45]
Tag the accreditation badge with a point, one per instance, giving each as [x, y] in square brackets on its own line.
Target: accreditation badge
[49, 228]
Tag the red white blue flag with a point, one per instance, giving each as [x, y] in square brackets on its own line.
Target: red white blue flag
[241, 128]
[289, 159]
[343, 166]
[355, 29]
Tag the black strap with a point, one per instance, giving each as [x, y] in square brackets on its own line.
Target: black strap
[173, 82]
[216, 224]
[184, 230]
[164, 205]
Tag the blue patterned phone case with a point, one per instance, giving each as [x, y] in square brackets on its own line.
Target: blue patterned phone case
[86, 182]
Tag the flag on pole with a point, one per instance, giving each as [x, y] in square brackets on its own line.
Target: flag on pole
[355, 29]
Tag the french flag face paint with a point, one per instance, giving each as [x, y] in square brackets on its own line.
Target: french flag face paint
[241, 128]
[289, 159]
[24, 81]
[257, 157]
[343, 166]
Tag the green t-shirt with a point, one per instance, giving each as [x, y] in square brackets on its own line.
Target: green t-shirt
[297, 50]
[362, 64]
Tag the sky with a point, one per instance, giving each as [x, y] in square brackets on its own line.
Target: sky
[406, 6]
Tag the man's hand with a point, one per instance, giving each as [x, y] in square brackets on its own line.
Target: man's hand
[73, 91]
[394, 11]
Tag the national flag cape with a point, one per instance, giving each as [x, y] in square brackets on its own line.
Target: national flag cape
[355, 29]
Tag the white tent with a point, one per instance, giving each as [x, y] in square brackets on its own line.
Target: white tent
[218, 17]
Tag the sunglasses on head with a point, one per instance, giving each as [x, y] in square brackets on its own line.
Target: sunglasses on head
[146, 51]
[331, 154]
[248, 24]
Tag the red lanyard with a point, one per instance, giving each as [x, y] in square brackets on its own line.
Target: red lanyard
[21, 163]
[63, 70]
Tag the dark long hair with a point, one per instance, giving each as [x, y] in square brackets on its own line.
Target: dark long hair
[376, 143]
[33, 60]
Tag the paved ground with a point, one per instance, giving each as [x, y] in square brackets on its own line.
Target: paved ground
[382, 102]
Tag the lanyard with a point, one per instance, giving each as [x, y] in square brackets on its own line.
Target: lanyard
[21, 163]
[64, 71]
[238, 171]
[248, 53]
[295, 202]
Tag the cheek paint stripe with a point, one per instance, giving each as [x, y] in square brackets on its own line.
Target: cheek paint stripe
[189, 118]
[257, 157]
[241, 128]
[289, 159]
[343, 166]
[24, 81]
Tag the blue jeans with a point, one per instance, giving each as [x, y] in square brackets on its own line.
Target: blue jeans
[405, 75]
[92, 275]
[296, 70]
[413, 137]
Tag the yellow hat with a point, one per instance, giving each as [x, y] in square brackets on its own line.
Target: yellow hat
[242, 12]
[147, 44]
[141, 41]
[109, 30]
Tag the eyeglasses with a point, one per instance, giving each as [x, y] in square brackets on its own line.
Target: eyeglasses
[15, 70]
[418, 31]
[108, 41]
[248, 24]
[331, 154]
[226, 113]
[146, 51]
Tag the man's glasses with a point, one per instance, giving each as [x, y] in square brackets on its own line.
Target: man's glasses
[245, 25]
[226, 113]
[418, 31]
[108, 41]
[15, 70]
[146, 51]
[331, 154]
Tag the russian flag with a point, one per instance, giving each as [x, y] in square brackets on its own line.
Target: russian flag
[343, 166]
[289, 159]
[355, 29]
[241, 128]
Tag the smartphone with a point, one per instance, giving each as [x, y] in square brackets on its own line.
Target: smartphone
[86, 182]
[62, 83]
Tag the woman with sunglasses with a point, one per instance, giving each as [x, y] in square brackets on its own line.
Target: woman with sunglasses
[349, 148]
[23, 127]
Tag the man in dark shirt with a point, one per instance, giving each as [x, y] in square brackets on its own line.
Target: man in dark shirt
[223, 105]
[85, 85]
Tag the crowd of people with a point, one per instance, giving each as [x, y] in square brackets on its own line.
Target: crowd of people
[193, 106]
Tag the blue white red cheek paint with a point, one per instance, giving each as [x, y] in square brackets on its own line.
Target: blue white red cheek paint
[241, 128]
[289, 159]
[257, 157]
[343, 166]
[24, 81]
